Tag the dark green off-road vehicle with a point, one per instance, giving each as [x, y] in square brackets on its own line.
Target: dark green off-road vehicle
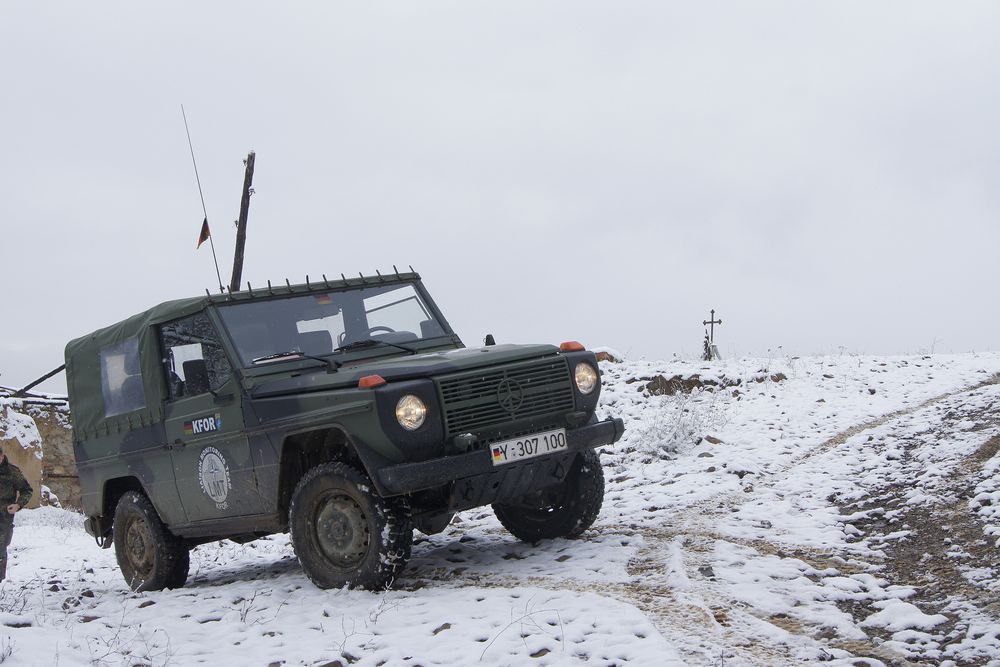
[346, 412]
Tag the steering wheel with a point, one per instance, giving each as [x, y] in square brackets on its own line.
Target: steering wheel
[379, 327]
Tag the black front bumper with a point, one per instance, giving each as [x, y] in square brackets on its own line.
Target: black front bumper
[410, 477]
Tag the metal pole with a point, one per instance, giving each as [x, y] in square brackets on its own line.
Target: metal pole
[24, 390]
[241, 224]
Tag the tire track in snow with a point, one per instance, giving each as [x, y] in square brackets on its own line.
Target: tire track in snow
[845, 435]
[945, 555]
[709, 508]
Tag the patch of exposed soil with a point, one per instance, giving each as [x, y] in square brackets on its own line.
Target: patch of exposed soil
[658, 385]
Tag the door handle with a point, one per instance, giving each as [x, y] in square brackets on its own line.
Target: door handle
[178, 444]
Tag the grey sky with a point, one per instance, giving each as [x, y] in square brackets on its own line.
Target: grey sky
[824, 175]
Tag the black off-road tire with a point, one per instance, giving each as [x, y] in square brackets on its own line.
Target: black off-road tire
[344, 533]
[150, 557]
[564, 510]
[182, 564]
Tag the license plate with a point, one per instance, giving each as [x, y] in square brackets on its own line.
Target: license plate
[528, 446]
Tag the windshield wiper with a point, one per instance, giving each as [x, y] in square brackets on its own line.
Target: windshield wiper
[371, 342]
[331, 364]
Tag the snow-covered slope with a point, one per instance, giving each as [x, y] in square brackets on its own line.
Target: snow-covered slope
[774, 511]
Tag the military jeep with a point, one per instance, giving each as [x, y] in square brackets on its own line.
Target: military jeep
[346, 412]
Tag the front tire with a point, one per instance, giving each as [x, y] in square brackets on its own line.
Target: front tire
[344, 534]
[564, 510]
[150, 557]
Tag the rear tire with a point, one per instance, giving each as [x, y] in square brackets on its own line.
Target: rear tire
[344, 534]
[150, 557]
[564, 510]
[179, 573]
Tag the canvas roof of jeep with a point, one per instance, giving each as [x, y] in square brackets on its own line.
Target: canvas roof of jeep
[83, 366]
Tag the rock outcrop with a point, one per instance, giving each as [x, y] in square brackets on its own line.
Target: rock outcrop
[36, 435]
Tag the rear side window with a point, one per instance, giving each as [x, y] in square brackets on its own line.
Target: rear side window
[121, 380]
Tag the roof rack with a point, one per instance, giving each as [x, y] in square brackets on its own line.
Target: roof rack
[309, 285]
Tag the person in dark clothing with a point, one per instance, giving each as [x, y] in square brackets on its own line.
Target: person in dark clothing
[15, 492]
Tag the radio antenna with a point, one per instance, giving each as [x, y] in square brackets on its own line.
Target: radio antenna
[202, 195]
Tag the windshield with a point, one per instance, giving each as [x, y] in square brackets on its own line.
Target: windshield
[319, 322]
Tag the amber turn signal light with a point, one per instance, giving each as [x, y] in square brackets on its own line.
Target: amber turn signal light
[571, 346]
[371, 381]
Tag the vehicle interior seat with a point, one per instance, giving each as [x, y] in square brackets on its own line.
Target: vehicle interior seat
[196, 376]
[315, 342]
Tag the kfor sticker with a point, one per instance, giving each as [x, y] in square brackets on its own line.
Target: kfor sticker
[203, 425]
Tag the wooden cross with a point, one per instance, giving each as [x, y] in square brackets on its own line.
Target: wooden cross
[712, 322]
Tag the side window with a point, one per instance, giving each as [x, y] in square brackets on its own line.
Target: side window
[193, 359]
[121, 380]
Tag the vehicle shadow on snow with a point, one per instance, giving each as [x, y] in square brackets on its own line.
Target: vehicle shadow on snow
[454, 557]
[479, 558]
[209, 574]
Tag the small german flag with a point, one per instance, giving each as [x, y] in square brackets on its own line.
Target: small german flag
[497, 454]
[203, 236]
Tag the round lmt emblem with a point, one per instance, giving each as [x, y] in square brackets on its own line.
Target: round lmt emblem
[213, 475]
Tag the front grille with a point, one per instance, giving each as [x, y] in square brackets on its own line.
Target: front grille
[472, 401]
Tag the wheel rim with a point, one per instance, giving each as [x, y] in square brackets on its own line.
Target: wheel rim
[139, 547]
[342, 530]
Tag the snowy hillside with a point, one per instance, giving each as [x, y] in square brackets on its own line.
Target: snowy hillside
[768, 511]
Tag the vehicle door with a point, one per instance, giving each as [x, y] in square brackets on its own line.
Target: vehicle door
[211, 456]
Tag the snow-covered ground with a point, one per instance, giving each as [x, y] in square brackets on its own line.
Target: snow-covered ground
[795, 510]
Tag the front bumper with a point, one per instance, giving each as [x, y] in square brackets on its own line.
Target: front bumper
[410, 477]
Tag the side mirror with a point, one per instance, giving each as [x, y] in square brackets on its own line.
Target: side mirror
[195, 377]
[489, 340]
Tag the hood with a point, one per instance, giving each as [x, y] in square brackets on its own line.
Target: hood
[400, 367]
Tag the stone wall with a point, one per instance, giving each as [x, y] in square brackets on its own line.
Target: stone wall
[58, 461]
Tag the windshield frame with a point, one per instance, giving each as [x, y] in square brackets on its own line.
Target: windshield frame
[448, 338]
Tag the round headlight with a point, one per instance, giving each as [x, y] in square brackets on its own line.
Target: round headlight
[586, 377]
[411, 412]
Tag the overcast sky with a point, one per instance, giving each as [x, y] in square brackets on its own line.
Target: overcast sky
[826, 176]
